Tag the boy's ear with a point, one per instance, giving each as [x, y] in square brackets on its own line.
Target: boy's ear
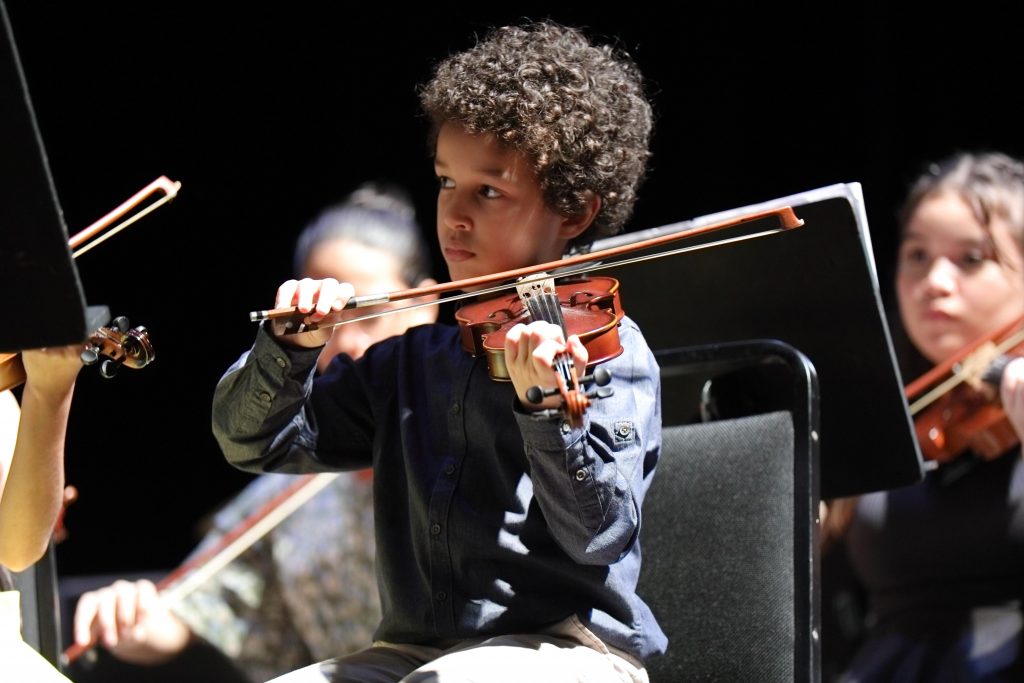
[574, 226]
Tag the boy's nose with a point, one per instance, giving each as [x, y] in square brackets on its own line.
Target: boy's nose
[455, 216]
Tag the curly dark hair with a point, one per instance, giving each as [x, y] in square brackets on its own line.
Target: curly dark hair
[577, 111]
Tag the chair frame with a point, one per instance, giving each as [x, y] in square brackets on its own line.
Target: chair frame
[714, 359]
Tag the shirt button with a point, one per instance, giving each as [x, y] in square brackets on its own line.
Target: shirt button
[441, 596]
[581, 474]
[281, 362]
[456, 408]
[566, 428]
[624, 430]
[449, 470]
[435, 529]
[265, 396]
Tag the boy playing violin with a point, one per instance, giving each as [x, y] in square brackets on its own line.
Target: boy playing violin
[506, 537]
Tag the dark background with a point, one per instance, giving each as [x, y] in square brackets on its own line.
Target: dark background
[266, 115]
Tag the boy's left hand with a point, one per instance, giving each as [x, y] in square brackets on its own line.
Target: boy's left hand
[530, 352]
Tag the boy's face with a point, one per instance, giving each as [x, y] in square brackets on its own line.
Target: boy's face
[491, 215]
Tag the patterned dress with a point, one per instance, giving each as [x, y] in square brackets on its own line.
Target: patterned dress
[305, 592]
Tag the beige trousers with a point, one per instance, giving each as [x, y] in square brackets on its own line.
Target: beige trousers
[567, 652]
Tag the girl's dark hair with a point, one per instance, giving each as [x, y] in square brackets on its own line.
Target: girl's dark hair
[991, 183]
[377, 215]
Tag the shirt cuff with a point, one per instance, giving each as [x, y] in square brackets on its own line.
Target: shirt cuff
[293, 361]
[547, 429]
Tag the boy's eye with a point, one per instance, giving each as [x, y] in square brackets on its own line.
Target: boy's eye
[489, 192]
[445, 183]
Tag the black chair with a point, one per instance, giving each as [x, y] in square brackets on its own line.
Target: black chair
[729, 530]
[40, 620]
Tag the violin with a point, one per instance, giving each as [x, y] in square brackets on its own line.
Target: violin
[119, 344]
[956, 405]
[585, 306]
[592, 311]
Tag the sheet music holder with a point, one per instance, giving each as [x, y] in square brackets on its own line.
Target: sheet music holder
[44, 300]
[815, 288]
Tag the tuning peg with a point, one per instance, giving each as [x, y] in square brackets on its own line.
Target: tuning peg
[600, 376]
[109, 368]
[121, 324]
[90, 354]
[536, 394]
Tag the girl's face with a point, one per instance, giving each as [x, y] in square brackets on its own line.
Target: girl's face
[956, 281]
[370, 271]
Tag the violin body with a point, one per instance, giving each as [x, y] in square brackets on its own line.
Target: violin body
[590, 307]
[958, 423]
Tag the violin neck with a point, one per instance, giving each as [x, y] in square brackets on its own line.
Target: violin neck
[544, 305]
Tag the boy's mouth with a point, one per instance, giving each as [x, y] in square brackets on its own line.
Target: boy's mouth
[456, 254]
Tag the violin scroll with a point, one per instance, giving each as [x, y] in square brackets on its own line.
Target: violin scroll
[121, 345]
[601, 377]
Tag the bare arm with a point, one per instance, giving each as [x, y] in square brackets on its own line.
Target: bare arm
[33, 490]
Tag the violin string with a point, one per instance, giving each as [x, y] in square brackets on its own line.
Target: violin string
[568, 272]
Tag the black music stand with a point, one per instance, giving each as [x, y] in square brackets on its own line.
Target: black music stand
[44, 298]
[814, 288]
[45, 303]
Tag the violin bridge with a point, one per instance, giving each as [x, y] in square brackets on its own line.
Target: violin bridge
[535, 286]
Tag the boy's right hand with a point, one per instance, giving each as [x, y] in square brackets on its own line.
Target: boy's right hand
[131, 621]
[323, 300]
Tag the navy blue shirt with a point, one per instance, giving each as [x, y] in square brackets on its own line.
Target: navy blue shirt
[489, 519]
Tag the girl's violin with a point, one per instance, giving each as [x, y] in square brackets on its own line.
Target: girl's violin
[117, 343]
[956, 405]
